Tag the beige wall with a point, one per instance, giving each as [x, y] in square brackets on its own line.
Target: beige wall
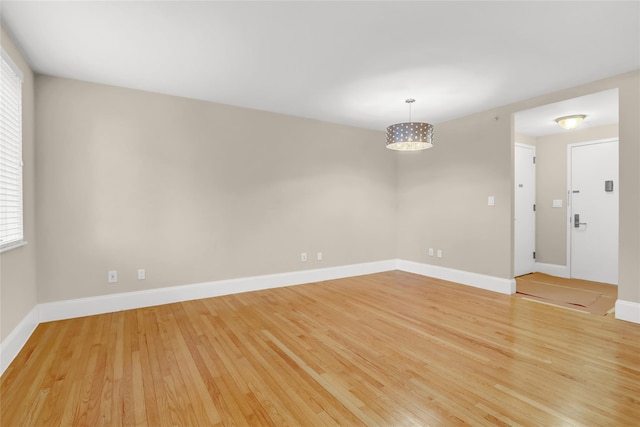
[442, 193]
[629, 133]
[525, 139]
[195, 191]
[442, 196]
[551, 183]
[18, 266]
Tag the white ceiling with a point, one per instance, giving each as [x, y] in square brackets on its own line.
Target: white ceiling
[601, 109]
[345, 62]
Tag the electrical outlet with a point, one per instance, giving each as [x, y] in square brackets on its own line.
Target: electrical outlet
[439, 253]
[112, 276]
[430, 251]
[319, 257]
[303, 256]
[141, 274]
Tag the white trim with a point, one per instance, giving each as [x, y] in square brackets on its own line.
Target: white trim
[12, 245]
[553, 269]
[521, 144]
[489, 283]
[627, 310]
[68, 309]
[58, 310]
[13, 343]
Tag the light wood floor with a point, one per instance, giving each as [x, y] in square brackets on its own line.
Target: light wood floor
[390, 349]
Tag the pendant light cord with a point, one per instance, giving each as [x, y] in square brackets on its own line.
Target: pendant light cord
[410, 101]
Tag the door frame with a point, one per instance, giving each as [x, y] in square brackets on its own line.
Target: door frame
[569, 194]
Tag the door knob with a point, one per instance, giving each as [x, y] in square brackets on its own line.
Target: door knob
[576, 221]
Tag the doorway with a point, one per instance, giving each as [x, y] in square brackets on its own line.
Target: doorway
[537, 128]
[593, 211]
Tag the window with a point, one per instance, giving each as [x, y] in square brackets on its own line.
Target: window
[11, 225]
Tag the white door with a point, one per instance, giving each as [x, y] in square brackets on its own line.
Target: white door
[593, 220]
[524, 242]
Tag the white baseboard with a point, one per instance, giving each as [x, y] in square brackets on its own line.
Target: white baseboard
[68, 309]
[80, 307]
[59, 310]
[627, 310]
[490, 283]
[13, 343]
[553, 269]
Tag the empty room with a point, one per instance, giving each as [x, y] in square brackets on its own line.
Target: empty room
[230, 213]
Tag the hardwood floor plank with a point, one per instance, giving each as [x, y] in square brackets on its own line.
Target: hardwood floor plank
[38, 360]
[391, 349]
[146, 368]
[202, 391]
[125, 411]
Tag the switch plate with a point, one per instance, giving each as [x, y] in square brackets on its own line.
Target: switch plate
[319, 257]
[141, 274]
[557, 203]
[491, 201]
[303, 256]
[430, 251]
[112, 276]
[439, 253]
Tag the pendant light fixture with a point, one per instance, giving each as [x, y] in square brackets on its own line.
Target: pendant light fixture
[570, 122]
[410, 136]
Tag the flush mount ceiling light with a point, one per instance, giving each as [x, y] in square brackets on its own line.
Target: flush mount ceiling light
[410, 136]
[570, 122]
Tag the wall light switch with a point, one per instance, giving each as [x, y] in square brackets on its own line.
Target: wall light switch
[303, 256]
[430, 251]
[491, 201]
[141, 274]
[439, 253]
[319, 256]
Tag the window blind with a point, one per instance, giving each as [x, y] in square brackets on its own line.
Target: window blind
[11, 222]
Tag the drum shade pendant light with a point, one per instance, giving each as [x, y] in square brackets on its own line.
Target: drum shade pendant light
[410, 136]
[570, 122]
